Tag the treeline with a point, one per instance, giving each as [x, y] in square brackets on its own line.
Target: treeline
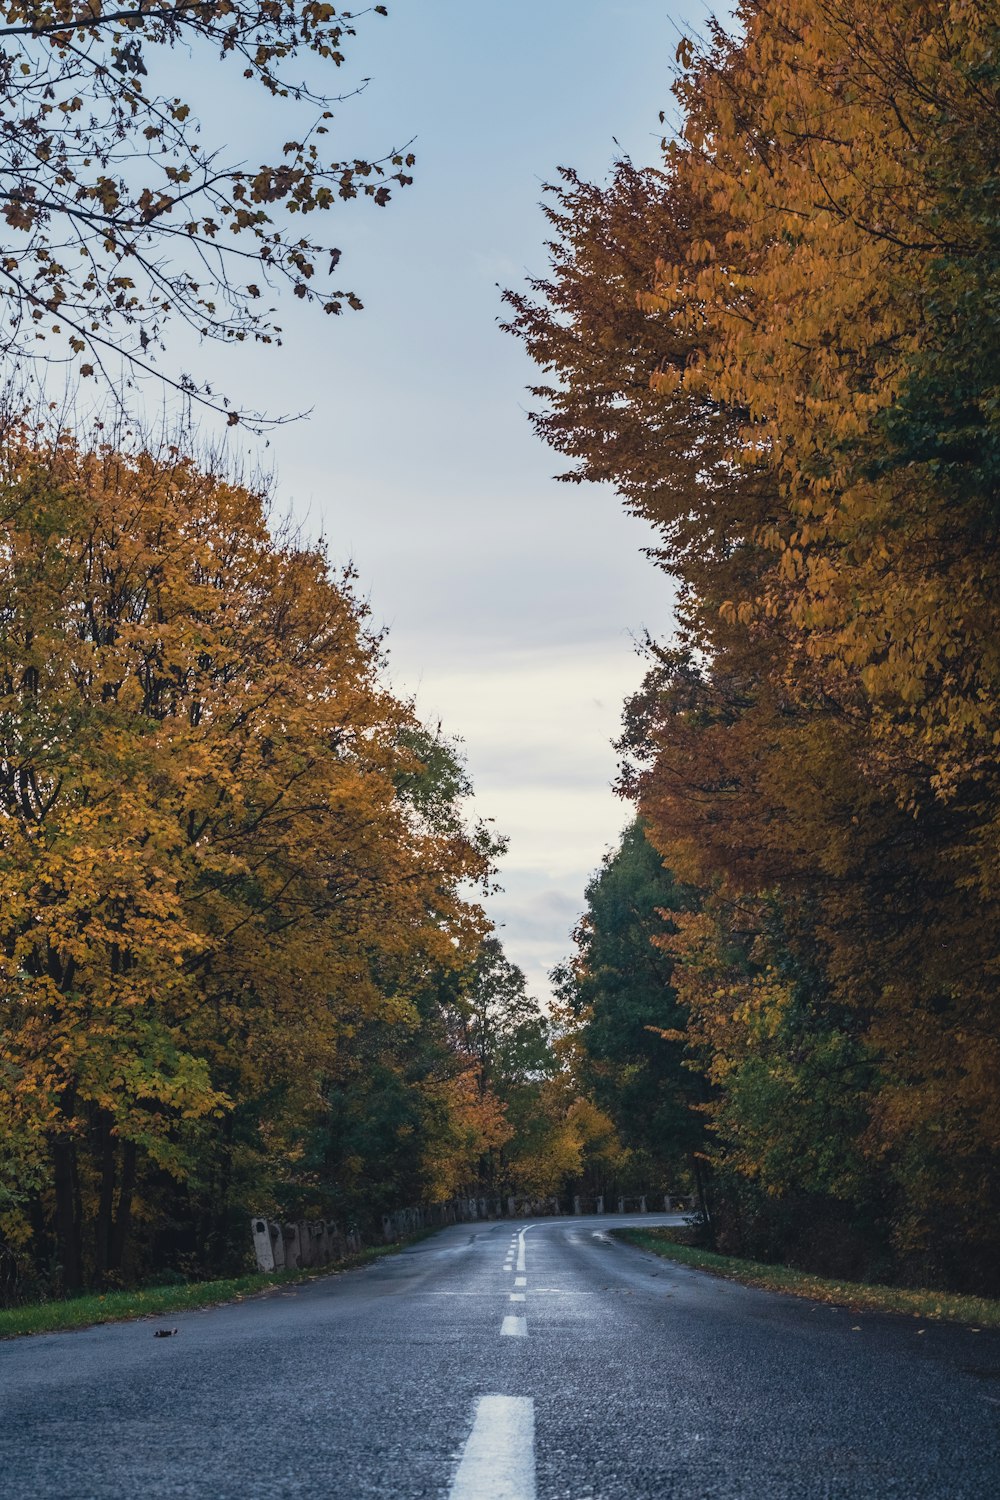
[243, 968]
[781, 345]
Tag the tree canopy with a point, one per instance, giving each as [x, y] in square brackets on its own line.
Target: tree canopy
[779, 344]
[220, 859]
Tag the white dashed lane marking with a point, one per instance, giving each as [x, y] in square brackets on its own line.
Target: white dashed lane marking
[498, 1460]
[515, 1327]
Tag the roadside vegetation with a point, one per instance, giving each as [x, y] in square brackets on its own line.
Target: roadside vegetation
[85, 1311]
[245, 960]
[778, 339]
[974, 1312]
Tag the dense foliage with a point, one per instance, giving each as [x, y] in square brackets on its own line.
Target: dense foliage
[625, 1019]
[241, 964]
[781, 345]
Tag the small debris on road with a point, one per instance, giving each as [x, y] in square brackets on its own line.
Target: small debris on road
[164, 1333]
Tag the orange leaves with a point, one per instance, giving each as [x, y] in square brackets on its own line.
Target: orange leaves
[803, 400]
[210, 865]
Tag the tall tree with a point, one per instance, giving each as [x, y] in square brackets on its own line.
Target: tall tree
[630, 1028]
[778, 344]
[209, 872]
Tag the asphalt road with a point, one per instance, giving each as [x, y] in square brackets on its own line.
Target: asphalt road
[617, 1377]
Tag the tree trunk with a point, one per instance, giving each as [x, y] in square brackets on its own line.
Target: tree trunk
[67, 1212]
[123, 1219]
[106, 1203]
[699, 1179]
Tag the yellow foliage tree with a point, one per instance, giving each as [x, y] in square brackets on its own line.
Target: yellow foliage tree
[207, 864]
[781, 345]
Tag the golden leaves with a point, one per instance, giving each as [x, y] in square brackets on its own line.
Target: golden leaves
[207, 871]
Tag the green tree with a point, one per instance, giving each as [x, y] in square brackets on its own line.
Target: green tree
[619, 988]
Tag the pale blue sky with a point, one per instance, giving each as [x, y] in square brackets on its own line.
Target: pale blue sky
[512, 600]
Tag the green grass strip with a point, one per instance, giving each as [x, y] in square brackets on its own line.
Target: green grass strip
[974, 1312]
[156, 1301]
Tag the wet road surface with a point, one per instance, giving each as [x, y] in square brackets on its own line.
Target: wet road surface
[507, 1362]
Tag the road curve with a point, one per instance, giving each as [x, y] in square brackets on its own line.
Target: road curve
[617, 1377]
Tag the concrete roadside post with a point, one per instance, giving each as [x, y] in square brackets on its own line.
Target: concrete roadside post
[668, 1204]
[262, 1245]
[621, 1205]
[600, 1205]
[642, 1205]
[277, 1245]
[293, 1249]
[576, 1206]
[305, 1243]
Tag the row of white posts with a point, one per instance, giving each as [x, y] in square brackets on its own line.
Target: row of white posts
[319, 1242]
[291, 1247]
[673, 1203]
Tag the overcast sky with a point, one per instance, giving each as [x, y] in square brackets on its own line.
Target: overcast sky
[513, 601]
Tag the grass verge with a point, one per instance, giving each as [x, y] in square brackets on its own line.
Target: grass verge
[156, 1301]
[974, 1312]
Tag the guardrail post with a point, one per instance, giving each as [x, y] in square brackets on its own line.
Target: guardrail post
[293, 1246]
[305, 1244]
[262, 1245]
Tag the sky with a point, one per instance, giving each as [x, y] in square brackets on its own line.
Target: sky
[513, 602]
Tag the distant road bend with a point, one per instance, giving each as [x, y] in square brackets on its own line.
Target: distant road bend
[507, 1361]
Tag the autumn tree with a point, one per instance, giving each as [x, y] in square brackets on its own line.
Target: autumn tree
[778, 344]
[213, 862]
[123, 218]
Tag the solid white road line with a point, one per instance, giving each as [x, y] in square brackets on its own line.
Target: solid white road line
[520, 1281]
[516, 1327]
[498, 1461]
